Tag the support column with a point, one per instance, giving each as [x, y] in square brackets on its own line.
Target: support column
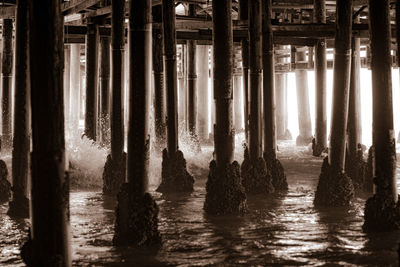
[67, 80]
[273, 164]
[19, 206]
[202, 92]
[104, 77]
[175, 177]
[382, 211]
[136, 214]
[256, 178]
[92, 42]
[335, 188]
[75, 83]
[49, 243]
[182, 93]
[115, 167]
[159, 88]
[6, 142]
[320, 140]
[243, 15]
[355, 165]
[282, 131]
[225, 194]
[237, 88]
[303, 105]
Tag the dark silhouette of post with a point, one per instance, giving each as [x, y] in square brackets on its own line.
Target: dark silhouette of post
[6, 142]
[335, 188]
[159, 88]
[115, 168]
[104, 88]
[92, 44]
[319, 141]
[273, 164]
[255, 70]
[170, 75]
[243, 15]
[225, 193]
[136, 214]
[19, 206]
[303, 105]
[174, 175]
[192, 82]
[382, 210]
[49, 243]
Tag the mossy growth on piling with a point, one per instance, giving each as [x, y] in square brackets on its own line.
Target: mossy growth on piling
[136, 221]
[317, 149]
[225, 193]
[19, 207]
[357, 169]
[174, 174]
[277, 172]
[256, 177]
[5, 186]
[114, 175]
[335, 187]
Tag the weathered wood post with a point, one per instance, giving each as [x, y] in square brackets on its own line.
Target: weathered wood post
[273, 164]
[19, 206]
[104, 88]
[243, 15]
[225, 193]
[48, 244]
[6, 142]
[355, 166]
[282, 131]
[92, 44]
[303, 105]
[382, 211]
[175, 177]
[256, 177]
[237, 88]
[136, 214]
[67, 82]
[335, 188]
[202, 90]
[115, 168]
[192, 86]
[182, 92]
[75, 83]
[319, 141]
[159, 88]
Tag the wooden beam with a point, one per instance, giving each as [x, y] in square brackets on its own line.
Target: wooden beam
[75, 6]
[7, 12]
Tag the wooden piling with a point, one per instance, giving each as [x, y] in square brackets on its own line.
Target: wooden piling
[255, 70]
[382, 210]
[19, 206]
[159, 88]
[203, 97]
[243, 15]
[320, 139]
[170, 75]
[303, 105]
[49, 243]
[136, 213]
[92, 43]
[104, 88]
[341, 85]
[6, 142]
[67, 82]
[75, 83]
